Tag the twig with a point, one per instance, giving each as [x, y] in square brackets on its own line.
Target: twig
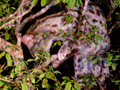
[115, 59]
[15, 51]
[112, 4]
[12, 15]
[42, 11]
[110, 31]
[2, 66]
[113, 27]
[99, 84]
[6, 80]
[110, 14]
[85, 7]
[16, 12]
[13, 20]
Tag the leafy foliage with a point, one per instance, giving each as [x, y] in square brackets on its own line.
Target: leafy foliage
[21, 77]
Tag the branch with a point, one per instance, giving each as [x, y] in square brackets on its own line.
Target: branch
[13, 20]
[112, 4]
[15, 51]
[12, 15]
[111, 10]
[24, 2]
[42, 11]
[99, 84]
[5, 80]
[113, 27]
[85, 7]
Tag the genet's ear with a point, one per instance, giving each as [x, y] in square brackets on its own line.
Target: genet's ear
[63, 51]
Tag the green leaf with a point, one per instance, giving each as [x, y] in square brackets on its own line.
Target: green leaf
[1, 83]
[7, 36]
[2, 54]
[78, 4]
[57, 72]
[62, 34]
[68, 86]
[44, 83]
[81, 2]
[70, 19]
[59, 43]
[30, 60]
[55, 43]
[63, 83]
[109, 64]
[65, 1]
[94, 28]
[73, 88]
[58, 88]
[5, 87]
[32, 80]
[109, 58]
[117, 13]
[94, 61]
[12, 74]
[57, 1]
[6, 27]
[101, 38]
[97, 37]
[50, 75]
[77, 86]
[23, 64]
[43, 3]
[96, 42]
[24, 86]
[4, 6]
[35, 70]
[47, 54]
[42, 76]
[113, 66]
[34, 2]
[65, 78]
[24, 79]
[82, 37]
[9, 59]
[18, 67]
[71, 4]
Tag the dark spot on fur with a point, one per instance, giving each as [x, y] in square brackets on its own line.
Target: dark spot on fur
[100, 22]
[79, 76]
[87, 22]
[92, 11]
[68, 29]
[93, 68]
[79, 60]
[98, 12]
[98, 32]
[75, 70]
[47, 25]
[79, 66]
[94, 20]
[55, 25]
[104, 73]
[88, 16]
[81, 23]
[102, 33]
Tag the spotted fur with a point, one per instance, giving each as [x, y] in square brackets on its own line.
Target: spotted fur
[80, 48]
[83, 66]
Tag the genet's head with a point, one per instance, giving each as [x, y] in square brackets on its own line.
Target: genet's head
[28, 40]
